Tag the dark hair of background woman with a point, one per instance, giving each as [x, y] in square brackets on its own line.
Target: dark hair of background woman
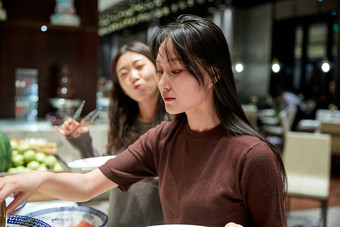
[198, 41]
[123, 110]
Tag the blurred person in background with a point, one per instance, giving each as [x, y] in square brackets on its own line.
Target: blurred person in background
[296, 105]
[135, 107]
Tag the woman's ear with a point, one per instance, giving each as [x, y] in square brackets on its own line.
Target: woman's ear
[210, 84]
[215, 75]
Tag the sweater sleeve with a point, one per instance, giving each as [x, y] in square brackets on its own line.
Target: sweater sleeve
[83, 143]
[262, 187]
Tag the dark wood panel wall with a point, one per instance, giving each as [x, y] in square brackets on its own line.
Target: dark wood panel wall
[24, 45]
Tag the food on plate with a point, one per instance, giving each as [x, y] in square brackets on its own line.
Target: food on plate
[83, 223]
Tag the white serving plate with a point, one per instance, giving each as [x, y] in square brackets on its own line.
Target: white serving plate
[88, 164]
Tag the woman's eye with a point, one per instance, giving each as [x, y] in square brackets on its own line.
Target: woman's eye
[159, 72]
[176, 71]
[123, 75]
[139, 67]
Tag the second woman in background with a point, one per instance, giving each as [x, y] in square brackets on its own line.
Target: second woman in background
[135, 107]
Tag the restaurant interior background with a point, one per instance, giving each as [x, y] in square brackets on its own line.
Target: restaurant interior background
[299, 35]
[289, 45]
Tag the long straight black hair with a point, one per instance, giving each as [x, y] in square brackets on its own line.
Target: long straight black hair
[198, 41]
[123, 110]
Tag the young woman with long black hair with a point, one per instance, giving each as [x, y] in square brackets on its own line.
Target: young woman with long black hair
[135, 107]
[214, 169]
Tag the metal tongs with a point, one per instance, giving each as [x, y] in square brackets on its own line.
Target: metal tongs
[3, 217]
[89, 118]
[77, 113]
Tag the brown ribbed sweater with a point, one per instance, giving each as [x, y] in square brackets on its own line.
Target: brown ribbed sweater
[205, 178]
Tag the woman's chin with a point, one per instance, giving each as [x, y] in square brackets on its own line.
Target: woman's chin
[172, 111]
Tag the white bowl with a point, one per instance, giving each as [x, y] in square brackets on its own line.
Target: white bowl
[88, 164]
[19, 221]
[60, 103]
[67, 216]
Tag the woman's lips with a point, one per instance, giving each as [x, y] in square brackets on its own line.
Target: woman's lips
[137, 86]
[168, 99]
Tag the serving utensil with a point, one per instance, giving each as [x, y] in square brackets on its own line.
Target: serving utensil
[77, 113]
[3, 218]
[90, 117]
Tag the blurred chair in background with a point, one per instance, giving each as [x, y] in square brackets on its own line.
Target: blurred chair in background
[333, 129]
[251, 113]
[276, 133]
[327, 115]
[307, 158]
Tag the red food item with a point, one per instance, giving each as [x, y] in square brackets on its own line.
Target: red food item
[83, 223]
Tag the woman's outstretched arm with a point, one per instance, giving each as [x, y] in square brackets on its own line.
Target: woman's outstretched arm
[66, 186]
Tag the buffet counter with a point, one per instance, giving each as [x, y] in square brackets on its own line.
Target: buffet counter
[44, 130]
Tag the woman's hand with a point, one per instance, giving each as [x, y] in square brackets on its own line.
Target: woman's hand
[232, 224]
[71, 128]
[65, 186]
[21, 185]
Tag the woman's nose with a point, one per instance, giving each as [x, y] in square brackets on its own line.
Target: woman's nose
[134, 75]
[163, 83]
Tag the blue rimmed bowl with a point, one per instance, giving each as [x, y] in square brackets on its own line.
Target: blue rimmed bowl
[10, 198]
[66, 216]
[20, 221]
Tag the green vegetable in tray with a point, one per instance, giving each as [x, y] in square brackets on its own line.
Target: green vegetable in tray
[18, 160]
[29, 155]
[26, 158]
[5, 152]
[19, 156]
[50, 161]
